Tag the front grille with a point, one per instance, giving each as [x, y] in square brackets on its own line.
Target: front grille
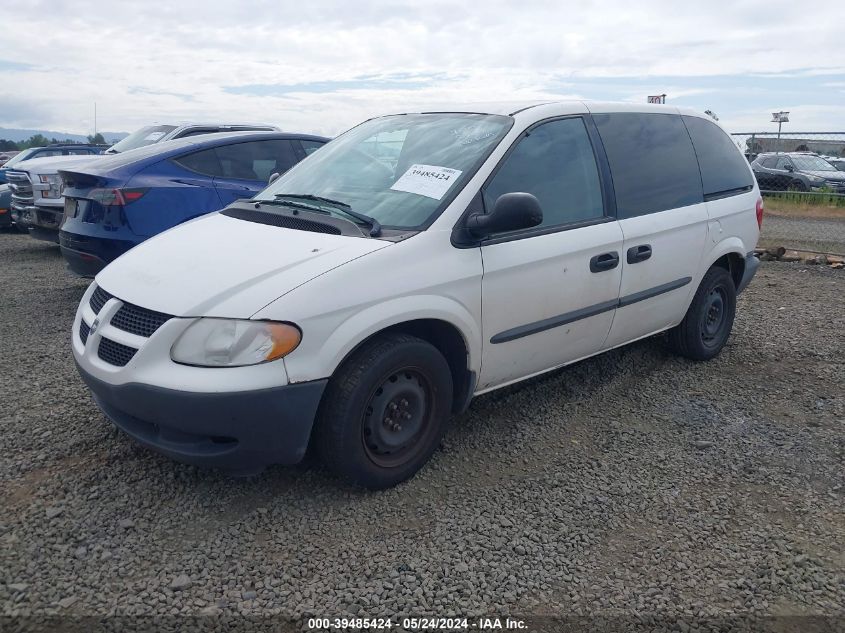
[98, 299]
[114, 353]
[21, 189]
[84, 330]
[129, 318]
[283, 221]
[140, 321]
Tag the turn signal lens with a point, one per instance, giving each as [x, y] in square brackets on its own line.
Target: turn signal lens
[285, 339]
[759, 213]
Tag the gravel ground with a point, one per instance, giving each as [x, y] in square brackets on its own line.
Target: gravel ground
[634, 486]
[814, 234]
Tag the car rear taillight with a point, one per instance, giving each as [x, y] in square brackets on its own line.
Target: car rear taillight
[759, 213]
[116, 197]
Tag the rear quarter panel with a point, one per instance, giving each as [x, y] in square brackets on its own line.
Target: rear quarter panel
[175, 195]
[733, 221]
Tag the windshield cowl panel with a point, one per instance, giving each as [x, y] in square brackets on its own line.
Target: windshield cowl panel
[400, 171]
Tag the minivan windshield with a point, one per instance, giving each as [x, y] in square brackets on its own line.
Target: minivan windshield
[145, 136]
[812, 163]
[396, 169]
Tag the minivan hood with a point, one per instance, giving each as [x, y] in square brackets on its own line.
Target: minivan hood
[225, 267]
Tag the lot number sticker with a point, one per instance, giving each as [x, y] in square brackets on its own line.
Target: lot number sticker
[427, 180]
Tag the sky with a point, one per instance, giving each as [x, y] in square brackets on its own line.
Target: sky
[321, 67]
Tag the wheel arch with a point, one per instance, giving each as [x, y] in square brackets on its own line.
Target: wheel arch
[439, 320]
[730, 255]
[449, 341]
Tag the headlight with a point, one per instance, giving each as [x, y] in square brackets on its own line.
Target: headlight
[55, 182]
[234, 343]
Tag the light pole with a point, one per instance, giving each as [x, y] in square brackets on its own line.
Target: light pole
[780, 118]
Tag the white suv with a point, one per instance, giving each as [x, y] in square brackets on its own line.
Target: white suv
[410, 264]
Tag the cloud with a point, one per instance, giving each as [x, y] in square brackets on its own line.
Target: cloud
[11, 67]
[323, 66]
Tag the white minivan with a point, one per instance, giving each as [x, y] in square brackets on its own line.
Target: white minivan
[414, 262]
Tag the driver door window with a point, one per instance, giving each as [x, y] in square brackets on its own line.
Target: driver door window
[555, 163]
[783, 163]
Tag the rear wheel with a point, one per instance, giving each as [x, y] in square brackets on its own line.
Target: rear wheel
[798, 185]
[709, 320]
[385, 411]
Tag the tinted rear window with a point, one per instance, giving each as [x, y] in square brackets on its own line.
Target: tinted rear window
[652, 162]
[723, 168]
[253, 160]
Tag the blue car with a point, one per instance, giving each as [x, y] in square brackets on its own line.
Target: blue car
[117, 202]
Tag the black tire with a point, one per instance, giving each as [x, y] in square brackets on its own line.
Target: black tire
[23, 228]
[708, 321]
[392, 381]
[798, 185]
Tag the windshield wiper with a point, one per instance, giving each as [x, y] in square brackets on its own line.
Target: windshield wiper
[375, 227]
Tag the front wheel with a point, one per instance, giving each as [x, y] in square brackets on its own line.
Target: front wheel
[709, 320]
[385, 411]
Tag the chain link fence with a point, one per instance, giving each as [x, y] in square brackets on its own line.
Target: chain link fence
[808, 167]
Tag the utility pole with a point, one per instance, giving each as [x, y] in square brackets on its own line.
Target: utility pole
[95, 118]
[780, 118]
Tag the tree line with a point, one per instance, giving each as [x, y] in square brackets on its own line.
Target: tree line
[39, 140]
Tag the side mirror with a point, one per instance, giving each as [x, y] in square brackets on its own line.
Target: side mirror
[789, 167]
[273, 178]
[512, 211]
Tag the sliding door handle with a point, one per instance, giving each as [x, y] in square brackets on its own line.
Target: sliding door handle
[605, 261]
[639, 253]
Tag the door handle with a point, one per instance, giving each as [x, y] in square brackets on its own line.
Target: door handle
[605, 261]
[639, 253]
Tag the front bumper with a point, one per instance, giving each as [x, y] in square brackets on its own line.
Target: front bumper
[43, 223]
[237, 431]
[748, 272]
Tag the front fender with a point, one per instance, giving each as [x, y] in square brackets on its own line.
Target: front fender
[319, 357]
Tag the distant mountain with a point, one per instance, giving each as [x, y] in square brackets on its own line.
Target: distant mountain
[17, 134]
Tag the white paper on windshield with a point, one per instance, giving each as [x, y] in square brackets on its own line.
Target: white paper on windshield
[427, 180]
[153, 136]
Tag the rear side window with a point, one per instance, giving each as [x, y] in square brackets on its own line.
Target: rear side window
[555, 163]
[204, 162]
[255, 160]
[723, 168]
[652, 162]
[48, 153]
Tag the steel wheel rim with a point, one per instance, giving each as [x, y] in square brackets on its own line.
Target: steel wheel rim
[714, 317]
[397, 418]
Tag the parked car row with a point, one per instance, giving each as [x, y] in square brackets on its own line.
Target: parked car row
[377, 286]
[148, 182]
[117, 202]
[798, 171]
